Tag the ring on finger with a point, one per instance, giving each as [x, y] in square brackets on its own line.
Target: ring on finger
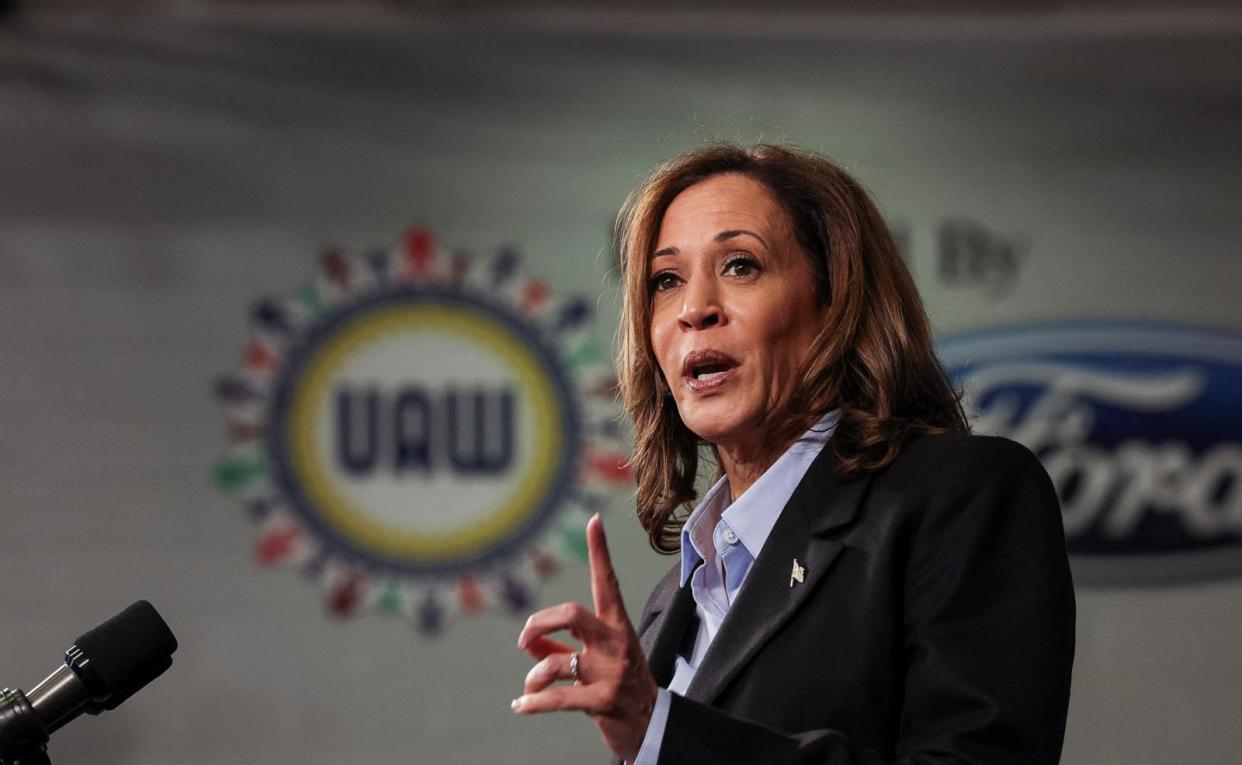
[573, 667]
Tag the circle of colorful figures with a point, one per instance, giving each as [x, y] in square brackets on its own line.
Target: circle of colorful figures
[351, 541]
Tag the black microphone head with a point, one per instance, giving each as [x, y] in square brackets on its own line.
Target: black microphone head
[123, 654]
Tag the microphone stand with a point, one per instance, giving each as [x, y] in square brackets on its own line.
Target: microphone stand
[23, 739]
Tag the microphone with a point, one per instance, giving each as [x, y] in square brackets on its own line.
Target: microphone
[103, 667]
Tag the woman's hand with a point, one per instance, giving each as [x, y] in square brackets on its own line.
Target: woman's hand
[614, 685]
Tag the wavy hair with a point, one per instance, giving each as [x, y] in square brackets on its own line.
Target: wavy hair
[872, 358]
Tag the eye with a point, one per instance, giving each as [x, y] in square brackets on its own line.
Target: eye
[665, 280]
[741, 265]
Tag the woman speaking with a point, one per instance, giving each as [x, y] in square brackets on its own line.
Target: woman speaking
[866, 582]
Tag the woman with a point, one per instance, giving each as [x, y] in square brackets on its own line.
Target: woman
[895, 589]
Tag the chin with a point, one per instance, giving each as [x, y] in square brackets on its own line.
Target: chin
[716, 426]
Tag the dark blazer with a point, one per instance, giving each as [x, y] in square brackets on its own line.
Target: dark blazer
[935, 622]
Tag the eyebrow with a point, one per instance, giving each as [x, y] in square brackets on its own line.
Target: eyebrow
[721, 237]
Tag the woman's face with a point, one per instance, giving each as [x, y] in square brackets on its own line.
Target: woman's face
[733, 309]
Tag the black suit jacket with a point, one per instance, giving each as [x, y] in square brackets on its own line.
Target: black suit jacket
[935, 623]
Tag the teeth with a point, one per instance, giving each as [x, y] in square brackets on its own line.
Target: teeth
[708, 376]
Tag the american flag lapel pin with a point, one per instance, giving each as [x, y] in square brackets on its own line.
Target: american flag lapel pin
[798, 574]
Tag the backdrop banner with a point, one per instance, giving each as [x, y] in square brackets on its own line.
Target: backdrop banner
[220, 342]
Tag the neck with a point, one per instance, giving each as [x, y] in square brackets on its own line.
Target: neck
[744, 463]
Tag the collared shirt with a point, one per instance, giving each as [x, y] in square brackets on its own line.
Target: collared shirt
[719, 544]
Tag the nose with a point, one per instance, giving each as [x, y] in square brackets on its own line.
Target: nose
[700, 308]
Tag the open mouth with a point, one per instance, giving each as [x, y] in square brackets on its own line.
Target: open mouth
[706, 369]
[707, 372]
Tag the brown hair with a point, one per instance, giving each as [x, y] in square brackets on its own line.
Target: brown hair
[872, 358]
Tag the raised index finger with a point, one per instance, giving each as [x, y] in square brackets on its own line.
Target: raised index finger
[605, 588]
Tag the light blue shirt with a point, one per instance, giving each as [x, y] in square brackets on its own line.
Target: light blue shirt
[726, 538]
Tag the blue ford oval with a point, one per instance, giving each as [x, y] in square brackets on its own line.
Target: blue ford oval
[1140, 427]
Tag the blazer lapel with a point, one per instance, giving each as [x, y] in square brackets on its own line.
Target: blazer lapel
[664, 635]
[767, 600]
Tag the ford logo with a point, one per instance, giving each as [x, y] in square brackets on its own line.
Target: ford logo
[1138, 424]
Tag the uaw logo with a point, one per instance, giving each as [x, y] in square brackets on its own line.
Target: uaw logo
[421, 433]
[1140, 427]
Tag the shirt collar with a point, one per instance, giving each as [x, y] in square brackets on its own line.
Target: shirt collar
[754, 513]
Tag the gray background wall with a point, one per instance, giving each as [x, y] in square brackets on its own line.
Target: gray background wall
[161, 171]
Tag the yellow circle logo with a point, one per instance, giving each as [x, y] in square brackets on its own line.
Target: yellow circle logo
[426, 432]
[419, 435]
